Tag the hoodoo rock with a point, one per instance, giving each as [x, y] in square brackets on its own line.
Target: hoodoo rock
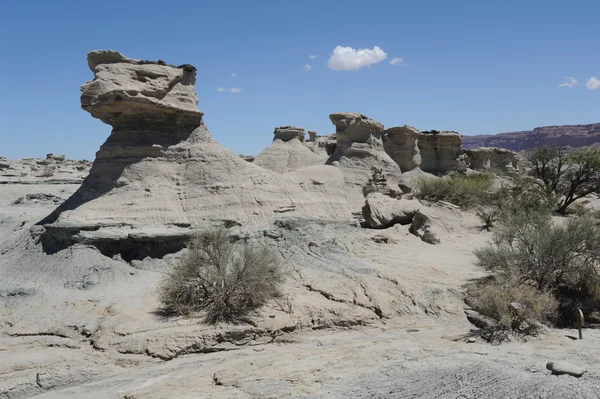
[439, 151]
[288, 152]
[401, 144]
[492, 158]
[287, 133]
[359, 148]
[160, 175]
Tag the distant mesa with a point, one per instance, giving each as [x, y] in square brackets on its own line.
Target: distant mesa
[567, 135]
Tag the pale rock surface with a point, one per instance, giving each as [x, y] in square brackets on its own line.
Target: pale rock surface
[430, 223]
[287, 152]
[491, 158]
[381, 211]
[287, 133]
[401, 144]
[439, 151]
[360, 148]
[559, 368]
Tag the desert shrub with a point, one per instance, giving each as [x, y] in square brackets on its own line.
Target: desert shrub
[465, 191]
[222, 278]
[577, 209]
[563, 259]
[517, 308]
[488, 215]
[48, 171]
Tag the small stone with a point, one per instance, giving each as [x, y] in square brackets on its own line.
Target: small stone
[471, 340]
[559, 368]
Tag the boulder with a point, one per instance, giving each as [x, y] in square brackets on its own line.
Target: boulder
[287, 133]
[160, 176]
[401, 144]
[422, 227]
[381, 211]
[559, 368]
[359, 148]
[479, 320]
[439, 151]
[491, 158]
[429, 223]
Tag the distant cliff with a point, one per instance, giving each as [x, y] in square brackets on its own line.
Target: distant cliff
[567, 135]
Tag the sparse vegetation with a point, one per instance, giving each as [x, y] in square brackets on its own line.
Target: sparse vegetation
[529, 250]
[465, 191]
[488, 214]
[568, 176]
[224, 279]
[517, 308]
[48, 171]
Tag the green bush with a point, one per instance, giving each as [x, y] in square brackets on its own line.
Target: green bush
[224, 279]
[563, 258]
[465, 191]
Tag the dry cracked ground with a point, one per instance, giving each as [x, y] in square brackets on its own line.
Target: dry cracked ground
[393, 327]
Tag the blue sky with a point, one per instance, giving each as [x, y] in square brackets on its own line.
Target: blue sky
[471, 66]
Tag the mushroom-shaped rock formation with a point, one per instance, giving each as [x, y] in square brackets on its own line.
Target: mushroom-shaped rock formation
[401, 144]
[287, 133]
[359, 148]
[439, 151]
[288, 152]
[160, 175]
[485, 158]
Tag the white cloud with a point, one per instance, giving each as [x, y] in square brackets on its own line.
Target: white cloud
[233, 74]
[569, 82]
[593, 83]
[350, 59]
[398, 61]
[307, 67]
[313, 56]
[235, 90]
[221, 89]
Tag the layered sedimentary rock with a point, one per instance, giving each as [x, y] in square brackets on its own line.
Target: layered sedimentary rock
[401, 144]
[287, 152]
[287, 133]
[359, 148]
[491, 158]
[567, 135]
[160, 174]
[439, 151]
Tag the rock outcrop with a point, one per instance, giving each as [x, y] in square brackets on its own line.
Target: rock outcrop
[359, 148]
[433, 152]
[429, 223]
[378, 184]
[567, 135]
[491, 158]
[287, 133]
[401, 144]
[287, 152]
[160, 175]
[439, 151]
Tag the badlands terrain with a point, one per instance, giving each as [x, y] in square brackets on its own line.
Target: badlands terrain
[372, 306]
